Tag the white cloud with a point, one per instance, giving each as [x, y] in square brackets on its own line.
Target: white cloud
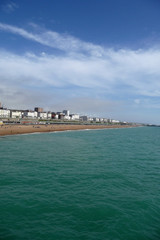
[83, 71]
[53, 39]
[119, 73]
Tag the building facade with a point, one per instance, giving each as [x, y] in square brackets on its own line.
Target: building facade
[66, 112]
[38, 109]
[30, 114]
[15, 114]
[4, 113]
[42, 115]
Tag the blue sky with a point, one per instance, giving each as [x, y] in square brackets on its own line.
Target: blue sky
[94, 57]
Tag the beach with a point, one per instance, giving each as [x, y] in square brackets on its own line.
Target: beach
[12, 129]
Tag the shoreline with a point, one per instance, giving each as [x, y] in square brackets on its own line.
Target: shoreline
[14, 129]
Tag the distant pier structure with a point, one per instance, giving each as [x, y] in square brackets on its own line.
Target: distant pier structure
[0, 105]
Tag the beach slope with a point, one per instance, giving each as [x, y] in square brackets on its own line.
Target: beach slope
[21, 129]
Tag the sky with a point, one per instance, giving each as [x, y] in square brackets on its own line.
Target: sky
[94, 57]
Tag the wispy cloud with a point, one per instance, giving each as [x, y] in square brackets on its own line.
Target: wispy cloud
[10, 7]
[53, 39]
[133, 71]
[85, 71]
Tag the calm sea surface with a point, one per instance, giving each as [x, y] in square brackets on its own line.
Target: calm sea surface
[87, 185]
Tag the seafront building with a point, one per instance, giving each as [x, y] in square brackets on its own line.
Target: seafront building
[4, 113]
[30, 114]
[38, 109]
[16, 113]
[38, 114]
[96, 119]
[84, 118]
[66, 112]
[74, 116]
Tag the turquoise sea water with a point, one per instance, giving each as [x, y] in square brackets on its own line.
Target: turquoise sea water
[89, 185]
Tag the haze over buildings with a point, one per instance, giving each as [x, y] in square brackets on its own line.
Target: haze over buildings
[100, 57]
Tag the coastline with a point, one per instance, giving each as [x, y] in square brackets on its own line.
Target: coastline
[14, 129]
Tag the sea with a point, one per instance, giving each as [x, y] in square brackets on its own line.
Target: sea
[81, 185]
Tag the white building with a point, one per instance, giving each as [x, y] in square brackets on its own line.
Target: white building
[15, 114]
[105, 120]
[54, 115]
[30, 114]
[95, 119]
[66, 112]
[49, 115]
[101, 120]
[42, 115]
[115, 121]
[4, 113]
[66, 117]
[74, 116]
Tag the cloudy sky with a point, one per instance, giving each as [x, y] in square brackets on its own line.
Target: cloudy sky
[94, 57]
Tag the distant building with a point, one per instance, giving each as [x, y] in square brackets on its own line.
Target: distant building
[95, 119]
[101, 119]
[105, 120]
[90, 119]
[60, 115]
[114, 121]
[0, 105]
[66, 112]
[66, 117]
[42, 115]
[74, 116]
[54, 115]
[30, 114]
[49, 115]
[4, 113]
[84, 118]
[38, 109]
[15, 113]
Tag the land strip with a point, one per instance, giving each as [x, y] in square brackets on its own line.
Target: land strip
[11, 129]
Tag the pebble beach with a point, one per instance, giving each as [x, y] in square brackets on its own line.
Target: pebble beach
[22, 129]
